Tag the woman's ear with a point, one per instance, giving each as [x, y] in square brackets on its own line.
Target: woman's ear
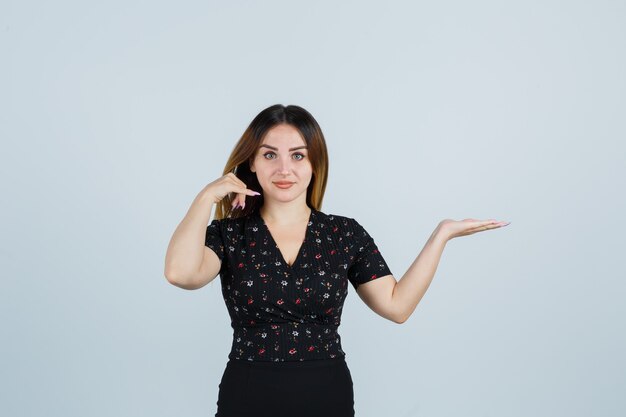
[251, 165]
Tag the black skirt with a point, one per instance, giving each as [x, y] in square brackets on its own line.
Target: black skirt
[276, 389]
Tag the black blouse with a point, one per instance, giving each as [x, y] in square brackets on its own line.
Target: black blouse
[282, 312]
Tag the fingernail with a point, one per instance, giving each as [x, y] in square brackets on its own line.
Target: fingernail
[256, 193]
[243, 206]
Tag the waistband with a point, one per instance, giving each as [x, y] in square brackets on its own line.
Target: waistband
[312, 363]
[285, 342]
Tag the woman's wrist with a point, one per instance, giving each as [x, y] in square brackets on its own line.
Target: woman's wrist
[440, 234]
[206, 198]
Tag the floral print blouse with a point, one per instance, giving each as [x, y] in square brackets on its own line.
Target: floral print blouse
[282, 312]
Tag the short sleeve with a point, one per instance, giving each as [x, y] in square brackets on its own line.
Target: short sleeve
[213, 238]
[368, 263]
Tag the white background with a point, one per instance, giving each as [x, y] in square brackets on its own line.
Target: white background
[114, 115]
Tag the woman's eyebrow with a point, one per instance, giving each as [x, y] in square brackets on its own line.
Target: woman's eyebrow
[291, 149]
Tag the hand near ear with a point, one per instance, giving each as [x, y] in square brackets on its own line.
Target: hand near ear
[230, 184]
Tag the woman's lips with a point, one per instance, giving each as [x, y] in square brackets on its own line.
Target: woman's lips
[283, 185]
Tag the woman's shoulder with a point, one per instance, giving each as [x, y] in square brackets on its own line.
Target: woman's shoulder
[229, 223]
[339, 220]
[348, 225]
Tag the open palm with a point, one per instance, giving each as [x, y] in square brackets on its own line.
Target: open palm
[456, 228]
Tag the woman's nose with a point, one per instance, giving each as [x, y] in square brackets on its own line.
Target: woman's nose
[285, 166]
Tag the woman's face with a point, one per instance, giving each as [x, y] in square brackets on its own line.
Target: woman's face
[283, 157]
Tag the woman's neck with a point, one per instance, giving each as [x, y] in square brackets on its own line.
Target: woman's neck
[284, 214]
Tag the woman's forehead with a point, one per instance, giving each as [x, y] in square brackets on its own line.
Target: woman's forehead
[283, 137]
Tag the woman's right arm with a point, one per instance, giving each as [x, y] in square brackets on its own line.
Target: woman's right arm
[189, 264]
[187, 255]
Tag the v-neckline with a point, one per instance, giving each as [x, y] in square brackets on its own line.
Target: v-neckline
[280, 254]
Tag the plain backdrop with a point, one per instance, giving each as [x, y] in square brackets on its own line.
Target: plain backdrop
[114, 115]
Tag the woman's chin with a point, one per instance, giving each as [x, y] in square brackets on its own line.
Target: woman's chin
[283, 197]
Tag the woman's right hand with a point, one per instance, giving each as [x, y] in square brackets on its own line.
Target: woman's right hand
[226, 184]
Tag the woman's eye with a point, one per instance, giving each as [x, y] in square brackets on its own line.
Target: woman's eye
[300, 155]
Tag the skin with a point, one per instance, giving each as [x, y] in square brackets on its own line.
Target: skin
[284, 163]
[396, 300]
[285, 212]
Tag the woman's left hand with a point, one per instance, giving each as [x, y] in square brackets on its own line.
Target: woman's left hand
[453, 228]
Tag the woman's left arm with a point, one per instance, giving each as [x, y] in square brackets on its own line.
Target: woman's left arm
[410, 289]
[406, 293]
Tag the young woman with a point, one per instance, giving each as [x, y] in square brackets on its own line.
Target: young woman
[285, 267]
